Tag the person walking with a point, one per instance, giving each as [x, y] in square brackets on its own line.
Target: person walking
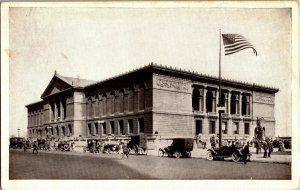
[35, 148]
[245, 152]
[270, 147]
[125, 150]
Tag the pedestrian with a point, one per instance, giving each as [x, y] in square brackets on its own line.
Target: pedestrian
[125, 150]
[245, 152]
[24, 146]
[212, 141]
[270, 147]
[35, 148]
[72, 145]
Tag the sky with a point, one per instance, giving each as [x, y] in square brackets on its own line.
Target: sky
[97, 43]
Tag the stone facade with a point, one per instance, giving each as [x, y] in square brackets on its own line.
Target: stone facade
[155, 101]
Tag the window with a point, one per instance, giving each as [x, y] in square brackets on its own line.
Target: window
[70, 130]
[58, 108]
[96, 129]
[212, 127]
[52, 132]
[90, 108]
[198, 127]
[209, 101]
[112, 127]
[247, 128]
[64, 103]
[121, 125]
[141, 125]
[57, 131]
[96, 107]
[104, 128]
[195, 99]
[112, 102]
[245, 106]
[130, 126]
[89, 129]
[121, 101]
[233, 103]
[63, 131]
[235, 128]
[141, 97]
[130, 100]
[224, 128]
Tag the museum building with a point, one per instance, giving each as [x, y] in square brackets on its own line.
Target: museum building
[156, 101]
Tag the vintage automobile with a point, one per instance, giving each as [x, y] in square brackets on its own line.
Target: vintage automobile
[180, 147]
[233, 152]
[63, 146]
[93, 146]
[111, 147]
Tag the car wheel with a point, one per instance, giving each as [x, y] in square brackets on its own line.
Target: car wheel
[160, 153]
[188, 154]
[209, 156]
[235, 157]
[177, 154]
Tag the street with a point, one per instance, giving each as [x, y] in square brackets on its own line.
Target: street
[56, 165]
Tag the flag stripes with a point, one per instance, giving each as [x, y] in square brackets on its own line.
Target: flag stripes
[234, 43]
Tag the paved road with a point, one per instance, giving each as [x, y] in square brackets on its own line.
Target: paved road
[68, 166]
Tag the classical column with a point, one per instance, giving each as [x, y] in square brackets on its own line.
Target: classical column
[229, 102]
[61, 109]
[56, 111]
[204, 99]
[240, 104]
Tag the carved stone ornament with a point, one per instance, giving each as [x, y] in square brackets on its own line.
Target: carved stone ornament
[172, 84]
[264, 99]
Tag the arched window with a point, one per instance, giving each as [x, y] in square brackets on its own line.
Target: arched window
[89, 108]
[233, 102]
[209, 101]
[141, 97]
[245, 105]
[70, 130]
[112, 102]
[130, 99]
[52, 132]
[223, 99]
[96, 107]
[57, 131]
[104, 104]
[121, 101]
[195, 99]
[63, 131]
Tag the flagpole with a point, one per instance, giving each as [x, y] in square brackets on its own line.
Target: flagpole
[219, 105]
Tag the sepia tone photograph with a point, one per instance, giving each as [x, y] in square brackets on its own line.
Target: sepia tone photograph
[135, 94]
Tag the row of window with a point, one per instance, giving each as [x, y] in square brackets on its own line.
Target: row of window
[210, 102]
[35, 119]
[115, 127]
[53, 131]
[117, 103]
[212, 128]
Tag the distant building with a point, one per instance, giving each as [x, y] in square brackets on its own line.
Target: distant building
[154, 101]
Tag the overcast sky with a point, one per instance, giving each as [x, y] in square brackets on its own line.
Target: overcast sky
[97, 43]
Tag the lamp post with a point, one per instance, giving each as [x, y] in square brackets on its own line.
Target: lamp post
[18, 132]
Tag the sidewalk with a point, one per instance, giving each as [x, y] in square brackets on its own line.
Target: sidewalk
[276, 157]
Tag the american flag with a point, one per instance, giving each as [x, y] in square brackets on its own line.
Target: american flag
[235, 42]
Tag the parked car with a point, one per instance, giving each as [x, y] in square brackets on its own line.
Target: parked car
[180, 147]
[233, 152]
[111, 147]
[63, 146]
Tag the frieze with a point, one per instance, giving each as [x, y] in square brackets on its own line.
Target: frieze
[164, 83]
[263, 99]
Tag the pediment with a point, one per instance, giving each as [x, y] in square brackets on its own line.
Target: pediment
[55, 86]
